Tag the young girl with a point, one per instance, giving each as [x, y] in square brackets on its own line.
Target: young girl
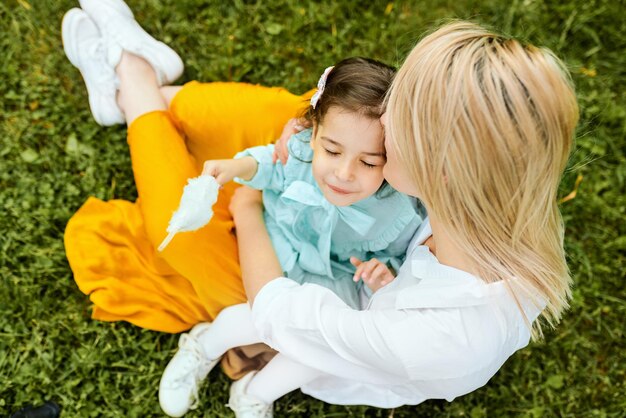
[327, 207]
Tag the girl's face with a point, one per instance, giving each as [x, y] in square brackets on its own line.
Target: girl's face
[348, 157]
[393, 171]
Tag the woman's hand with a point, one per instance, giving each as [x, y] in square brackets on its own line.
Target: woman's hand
[374, 273]
[245, 202]
[226, 170]
[293, 126]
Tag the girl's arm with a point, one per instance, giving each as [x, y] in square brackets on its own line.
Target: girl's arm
[259, 264]
[268, 174]
[226, 170]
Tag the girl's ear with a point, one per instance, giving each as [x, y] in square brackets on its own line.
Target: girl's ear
[313, 134]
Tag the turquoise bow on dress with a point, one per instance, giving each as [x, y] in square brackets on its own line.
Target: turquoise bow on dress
[315, 248]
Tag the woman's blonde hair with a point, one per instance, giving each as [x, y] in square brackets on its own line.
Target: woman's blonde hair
[484, 125]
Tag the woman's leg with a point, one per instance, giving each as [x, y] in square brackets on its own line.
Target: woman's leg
[168, 93]
[204, 121]
[139, 91]
[167, 147]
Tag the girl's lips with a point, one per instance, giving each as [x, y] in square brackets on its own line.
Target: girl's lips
[338, 190]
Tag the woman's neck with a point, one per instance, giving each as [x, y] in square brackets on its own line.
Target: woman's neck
[446, 249]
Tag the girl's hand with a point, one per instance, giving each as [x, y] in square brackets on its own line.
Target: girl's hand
[226, 170]
[293, 126]
[245, 203]
[373, 273]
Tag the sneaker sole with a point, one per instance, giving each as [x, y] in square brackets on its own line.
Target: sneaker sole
[66, 28]
[70, 20]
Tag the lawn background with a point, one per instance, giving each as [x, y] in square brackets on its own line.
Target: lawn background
[53, 156]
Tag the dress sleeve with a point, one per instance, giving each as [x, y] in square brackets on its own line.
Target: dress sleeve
[269, 175]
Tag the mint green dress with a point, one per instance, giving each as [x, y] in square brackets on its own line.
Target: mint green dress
[314, 239]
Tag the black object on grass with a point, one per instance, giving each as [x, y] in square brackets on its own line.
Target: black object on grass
[47, 410]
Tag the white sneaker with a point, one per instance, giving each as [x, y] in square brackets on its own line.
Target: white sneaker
[118, 26]
[178, 389]
[247, 406]
[85, 49]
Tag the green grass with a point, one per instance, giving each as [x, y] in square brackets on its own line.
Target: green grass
[53, 156]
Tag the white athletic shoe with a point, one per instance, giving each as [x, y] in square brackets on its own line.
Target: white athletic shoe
[178, 389]
[120, 30]
[244, 405]
[85, 49]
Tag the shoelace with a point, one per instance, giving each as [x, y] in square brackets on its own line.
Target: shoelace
[111, 35]
[191, 347]
[253, 407]
[98, 52]
[258, 409]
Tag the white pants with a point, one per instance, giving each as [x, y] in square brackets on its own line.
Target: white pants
[233, 327]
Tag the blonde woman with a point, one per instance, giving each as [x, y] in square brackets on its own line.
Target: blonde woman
[478, 127]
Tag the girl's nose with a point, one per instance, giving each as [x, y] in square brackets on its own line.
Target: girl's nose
[343, 172]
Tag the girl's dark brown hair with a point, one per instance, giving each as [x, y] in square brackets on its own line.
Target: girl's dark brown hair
[357, 85]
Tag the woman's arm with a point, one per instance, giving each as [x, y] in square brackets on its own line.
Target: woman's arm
[259, 264]
[382, 346]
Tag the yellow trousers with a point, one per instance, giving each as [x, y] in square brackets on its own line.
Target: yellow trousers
[111, 245]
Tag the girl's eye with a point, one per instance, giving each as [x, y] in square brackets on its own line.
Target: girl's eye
[329, 152]
[368, 165]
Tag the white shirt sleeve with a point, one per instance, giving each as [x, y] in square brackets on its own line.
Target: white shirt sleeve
[313, 326]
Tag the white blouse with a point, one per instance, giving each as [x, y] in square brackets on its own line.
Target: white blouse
[435, 332]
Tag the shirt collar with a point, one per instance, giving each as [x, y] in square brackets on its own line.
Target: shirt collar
[437, 285]
[440, 286]
[434, 285]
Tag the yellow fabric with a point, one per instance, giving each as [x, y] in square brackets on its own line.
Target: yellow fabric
[111, 245]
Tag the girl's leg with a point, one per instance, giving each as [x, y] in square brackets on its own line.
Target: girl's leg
[279, 377]
[198, 352]
[231, 328]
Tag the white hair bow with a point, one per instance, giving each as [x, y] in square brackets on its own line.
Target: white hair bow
[321, 84]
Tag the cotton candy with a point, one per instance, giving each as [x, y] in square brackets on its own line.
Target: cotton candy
[195, 208]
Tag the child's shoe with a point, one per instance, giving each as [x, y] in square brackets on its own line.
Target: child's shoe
[178, 389]
[85, 49]
[247, 406]
[118, 26]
